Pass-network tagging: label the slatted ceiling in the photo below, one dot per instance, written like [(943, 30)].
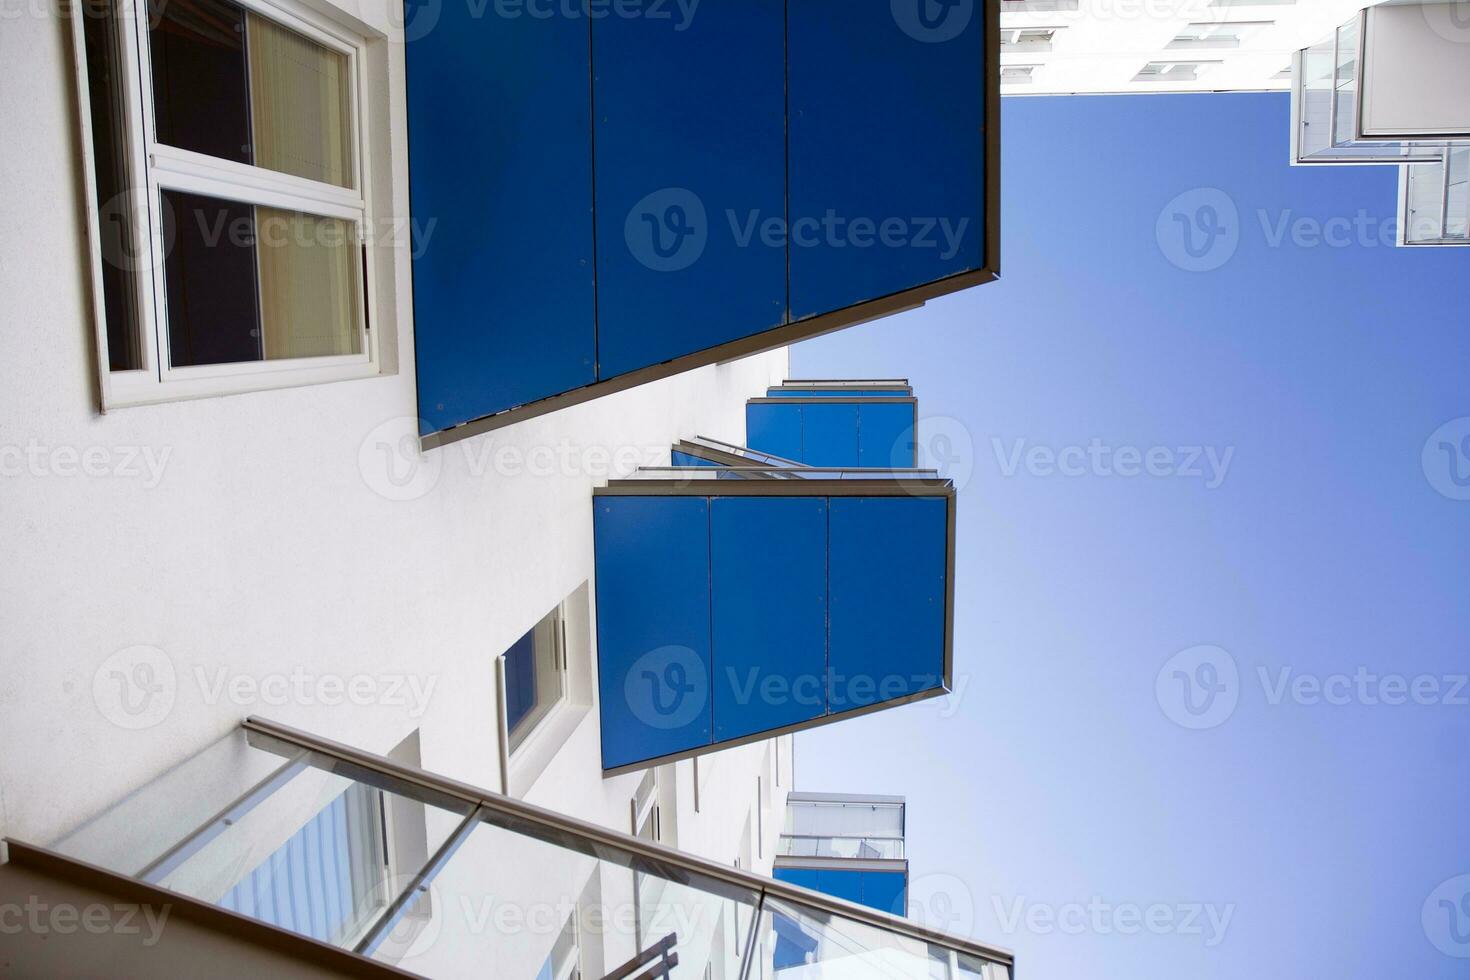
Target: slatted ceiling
[(322, 881)]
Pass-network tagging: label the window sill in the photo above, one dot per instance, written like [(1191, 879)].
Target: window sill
[(123, 391), (534, 755)]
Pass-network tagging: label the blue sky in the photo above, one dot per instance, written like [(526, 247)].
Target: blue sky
[(1297, 825)]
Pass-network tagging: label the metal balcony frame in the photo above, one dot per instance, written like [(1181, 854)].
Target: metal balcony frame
[(480, 806), (556, 825)]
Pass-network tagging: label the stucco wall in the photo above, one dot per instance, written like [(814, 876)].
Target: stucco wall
[(250, 541)]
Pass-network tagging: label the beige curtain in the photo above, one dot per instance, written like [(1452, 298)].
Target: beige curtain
[(308, 284), (300, 105)]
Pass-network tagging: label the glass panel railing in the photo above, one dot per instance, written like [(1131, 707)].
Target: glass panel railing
[(447, 881), (306, 842), (516, 901), (800, 942), (695, 473), (1457, 194), (1345, 84), (857, 848)]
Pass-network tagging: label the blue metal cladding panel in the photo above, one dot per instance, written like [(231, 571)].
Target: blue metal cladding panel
[(768, 575), (887, 594), (690, 149), (886, 434), (829, 433), (500, 184), (801, 877), (887, 120), (886, 891), (653, 625), (771, 427)]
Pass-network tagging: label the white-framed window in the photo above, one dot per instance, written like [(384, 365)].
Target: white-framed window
[(1217, 34), (1172, 71), (544, 691), (1028, 38), (1017, 74), (533, 678), (228, 197)]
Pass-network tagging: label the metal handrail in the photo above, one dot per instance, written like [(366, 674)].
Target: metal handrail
[(550, 819)]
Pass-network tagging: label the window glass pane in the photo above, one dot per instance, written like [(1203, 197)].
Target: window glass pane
[(520, 680), (533, 681), (310, 271), (806, 943), (109, 153), (209, 280), (200, 99), (1457, 201), (300, 108)]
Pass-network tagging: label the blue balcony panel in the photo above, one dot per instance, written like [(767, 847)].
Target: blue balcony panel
[(774, 427), (829, 433), (653, 625), (601, 201), (888, 593), (769, 581), (691, 146), (885, 891), (869, 431), (500, 187), (887, 124), (731, 610), (886, 434)]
